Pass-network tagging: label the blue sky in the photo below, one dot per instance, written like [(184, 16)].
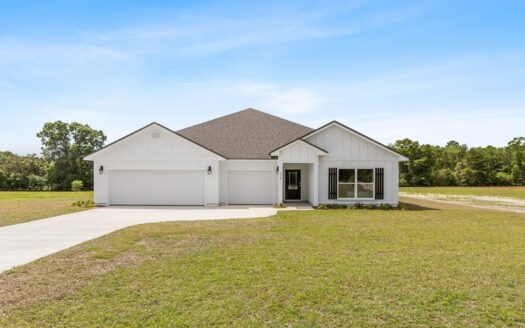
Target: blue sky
[(428, 70)]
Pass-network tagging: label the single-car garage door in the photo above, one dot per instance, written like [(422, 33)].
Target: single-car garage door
[(251, 187), (156, 187)]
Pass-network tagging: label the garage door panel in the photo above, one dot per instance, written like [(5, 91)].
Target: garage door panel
[(156, 187), (251, 187)]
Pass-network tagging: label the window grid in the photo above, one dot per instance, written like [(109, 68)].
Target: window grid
[(356, 185)]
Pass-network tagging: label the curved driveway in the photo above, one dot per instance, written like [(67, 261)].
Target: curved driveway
[(26, 242)]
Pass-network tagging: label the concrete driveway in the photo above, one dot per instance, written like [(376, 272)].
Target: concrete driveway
[(26, 242)]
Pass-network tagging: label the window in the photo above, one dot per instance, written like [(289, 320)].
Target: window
[(365, 183), (355, 183), (292, 180), (346, 183)]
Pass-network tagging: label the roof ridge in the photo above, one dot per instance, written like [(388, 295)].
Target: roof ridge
[(240, 111), (280, 118), (217, 118)]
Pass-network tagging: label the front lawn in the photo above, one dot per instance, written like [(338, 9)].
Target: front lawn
[(23, 206), (447, 266), (511, 192)]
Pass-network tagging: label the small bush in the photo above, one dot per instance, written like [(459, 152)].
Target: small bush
[(77, 185), (356, 206), (280, 205), (83, 203)]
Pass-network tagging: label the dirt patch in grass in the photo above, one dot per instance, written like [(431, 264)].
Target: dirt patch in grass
[(517, 192), (481, 202)]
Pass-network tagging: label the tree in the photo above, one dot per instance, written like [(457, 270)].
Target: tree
[(18, 172), (517, 151), (64, 146), (418, 170)]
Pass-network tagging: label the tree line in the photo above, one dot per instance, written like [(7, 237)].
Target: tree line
[(61, 162), (456, 164), (65, 144)]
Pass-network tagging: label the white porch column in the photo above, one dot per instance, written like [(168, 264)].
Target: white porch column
[(280, 182), (315, 184)]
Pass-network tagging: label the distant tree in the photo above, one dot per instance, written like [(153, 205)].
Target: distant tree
[(465, 175), (517, 153), (64, 146), (444, 177), (16, 170), (417, 171)]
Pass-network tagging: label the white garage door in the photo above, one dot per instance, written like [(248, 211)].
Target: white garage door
[(156, 187), (251, 187)]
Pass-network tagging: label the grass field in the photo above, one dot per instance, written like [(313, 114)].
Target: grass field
[(23, 206), (441, 265), (511, 192)]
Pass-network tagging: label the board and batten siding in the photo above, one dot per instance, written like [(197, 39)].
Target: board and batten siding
[(155, 148), (298, 152), (348, 150)]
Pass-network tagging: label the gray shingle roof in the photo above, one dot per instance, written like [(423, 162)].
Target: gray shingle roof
[(248, 134)]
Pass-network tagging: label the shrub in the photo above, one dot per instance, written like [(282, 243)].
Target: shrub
[(83, 203), (76, 185), (356, 206), (503, 179)]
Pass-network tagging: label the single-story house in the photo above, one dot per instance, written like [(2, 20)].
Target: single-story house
[(248, 157)]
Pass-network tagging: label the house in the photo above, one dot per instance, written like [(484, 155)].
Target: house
[(248, 157)]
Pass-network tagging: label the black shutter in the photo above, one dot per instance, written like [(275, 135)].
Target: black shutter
[(380, 183), (332, 183)]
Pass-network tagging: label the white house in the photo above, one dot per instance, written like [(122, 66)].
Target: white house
[(248, 157)]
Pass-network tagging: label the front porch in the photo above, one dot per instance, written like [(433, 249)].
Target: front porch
[(297, 183), (298, 167)]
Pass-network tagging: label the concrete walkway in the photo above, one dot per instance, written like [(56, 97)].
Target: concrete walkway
[(26, 242)]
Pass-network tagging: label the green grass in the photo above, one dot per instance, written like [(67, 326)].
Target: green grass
[(448, 266), (511, 192), (23, 206)]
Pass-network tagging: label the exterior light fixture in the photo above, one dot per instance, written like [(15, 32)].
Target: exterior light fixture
[(101, 169), (277, 169), (209, 169)]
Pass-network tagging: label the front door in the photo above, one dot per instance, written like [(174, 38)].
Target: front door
[(292, 185)]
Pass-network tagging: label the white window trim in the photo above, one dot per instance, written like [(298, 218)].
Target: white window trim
[(355, 183)]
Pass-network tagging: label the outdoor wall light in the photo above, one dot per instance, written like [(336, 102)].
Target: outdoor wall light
[(101, 169), (209, 170), (277, 170)]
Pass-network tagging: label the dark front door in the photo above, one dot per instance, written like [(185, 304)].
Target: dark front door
[(292, 185)]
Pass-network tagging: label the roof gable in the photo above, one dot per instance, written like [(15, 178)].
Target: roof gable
[(248, 134), (317, 149), (357, 135), (144, 138)]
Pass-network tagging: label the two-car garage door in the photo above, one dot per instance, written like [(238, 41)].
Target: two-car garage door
[(156, 187)]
